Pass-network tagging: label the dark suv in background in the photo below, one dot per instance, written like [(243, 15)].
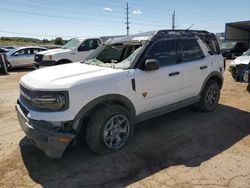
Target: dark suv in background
[(233, 49)]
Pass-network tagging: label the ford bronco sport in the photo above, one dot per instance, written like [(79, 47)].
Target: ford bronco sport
[(124, 82)]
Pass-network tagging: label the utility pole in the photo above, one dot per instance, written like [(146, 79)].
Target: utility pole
[(173, 20), (127, 19)]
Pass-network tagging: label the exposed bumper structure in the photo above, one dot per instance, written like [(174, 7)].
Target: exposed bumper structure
[(51, 142), (238, 71)]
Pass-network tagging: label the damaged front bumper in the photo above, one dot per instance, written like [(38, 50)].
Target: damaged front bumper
[(238, 71), (51, 141)]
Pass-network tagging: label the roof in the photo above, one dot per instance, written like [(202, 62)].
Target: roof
[(146, 36), (136, 38), (244, 25)]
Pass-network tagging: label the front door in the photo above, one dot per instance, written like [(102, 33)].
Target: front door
[(22, 58), (160, 87), (85, 49)]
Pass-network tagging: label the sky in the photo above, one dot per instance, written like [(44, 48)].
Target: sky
[(47, 19)]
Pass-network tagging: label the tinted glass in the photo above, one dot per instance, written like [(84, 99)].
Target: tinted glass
[(89, 44), (111, 53), (164, 52), (36, 50), (190, 50), (23, 52)]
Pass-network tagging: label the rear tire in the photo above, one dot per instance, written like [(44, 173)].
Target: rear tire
[(210, 96), (109, 129)]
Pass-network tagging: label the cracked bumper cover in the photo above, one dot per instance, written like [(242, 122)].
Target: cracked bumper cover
[(46, 140)]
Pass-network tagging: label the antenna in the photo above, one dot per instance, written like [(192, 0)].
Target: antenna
[(189, 27)]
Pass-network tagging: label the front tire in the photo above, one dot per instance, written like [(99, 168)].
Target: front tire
[(109, 129), (9, 66), (210, 96)]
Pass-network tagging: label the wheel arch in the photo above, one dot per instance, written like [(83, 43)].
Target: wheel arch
[(63, 60), (216, 76), (102, 101)]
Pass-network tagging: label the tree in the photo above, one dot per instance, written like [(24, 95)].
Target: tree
[(59, 41), (45, 41)]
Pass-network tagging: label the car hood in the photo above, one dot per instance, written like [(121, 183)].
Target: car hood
[(54, 51), (70, 76), (242, 60)]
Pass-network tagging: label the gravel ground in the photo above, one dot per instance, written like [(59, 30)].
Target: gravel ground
[(182, 149)]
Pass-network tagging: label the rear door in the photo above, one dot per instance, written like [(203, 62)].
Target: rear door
[(195, 67)]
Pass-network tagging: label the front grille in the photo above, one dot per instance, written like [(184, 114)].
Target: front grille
[(38, 58), (26, 96), (25, 111)]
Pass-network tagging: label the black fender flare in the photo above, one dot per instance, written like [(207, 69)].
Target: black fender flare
[(107, 99), (217, 76)]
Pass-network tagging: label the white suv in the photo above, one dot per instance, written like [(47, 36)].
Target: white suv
[(129, 80), (75, 50)]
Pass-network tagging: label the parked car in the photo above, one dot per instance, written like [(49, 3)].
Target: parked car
[(124, 82), (233, 49), (239, 66), (9, 47), (3, 50), (22, 56), (246, 76), (75, 50)]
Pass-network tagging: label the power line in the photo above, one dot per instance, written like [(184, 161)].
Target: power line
[(32, 34)]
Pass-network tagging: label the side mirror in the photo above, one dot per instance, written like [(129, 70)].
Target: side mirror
[(152, 64)]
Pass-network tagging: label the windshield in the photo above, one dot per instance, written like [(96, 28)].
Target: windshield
[(247, 53), (11, 52), (228, 45), (72, 44), (117, 56)]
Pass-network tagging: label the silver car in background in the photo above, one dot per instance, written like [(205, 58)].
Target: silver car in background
[(22, 56)]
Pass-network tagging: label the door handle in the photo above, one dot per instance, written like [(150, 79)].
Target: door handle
[(174, 74), (203, 67), (72, 53)]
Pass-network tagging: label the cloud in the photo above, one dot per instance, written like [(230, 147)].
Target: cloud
[(137, 11), (108, 9)]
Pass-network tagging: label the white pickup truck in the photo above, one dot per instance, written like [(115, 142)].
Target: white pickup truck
[(124, 82), (75, 50)]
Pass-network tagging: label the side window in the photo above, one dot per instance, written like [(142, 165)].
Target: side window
[(111, 53), (36, 50), (89, 44), (164, 51), (94, 44), (85, 46), (190, 50), (19, 52), (22, 52)]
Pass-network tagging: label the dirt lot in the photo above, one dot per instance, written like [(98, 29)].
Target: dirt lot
[(181, 149)]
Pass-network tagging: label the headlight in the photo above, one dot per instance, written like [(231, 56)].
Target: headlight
[(44, 100), (50, 102), (47, 58)]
